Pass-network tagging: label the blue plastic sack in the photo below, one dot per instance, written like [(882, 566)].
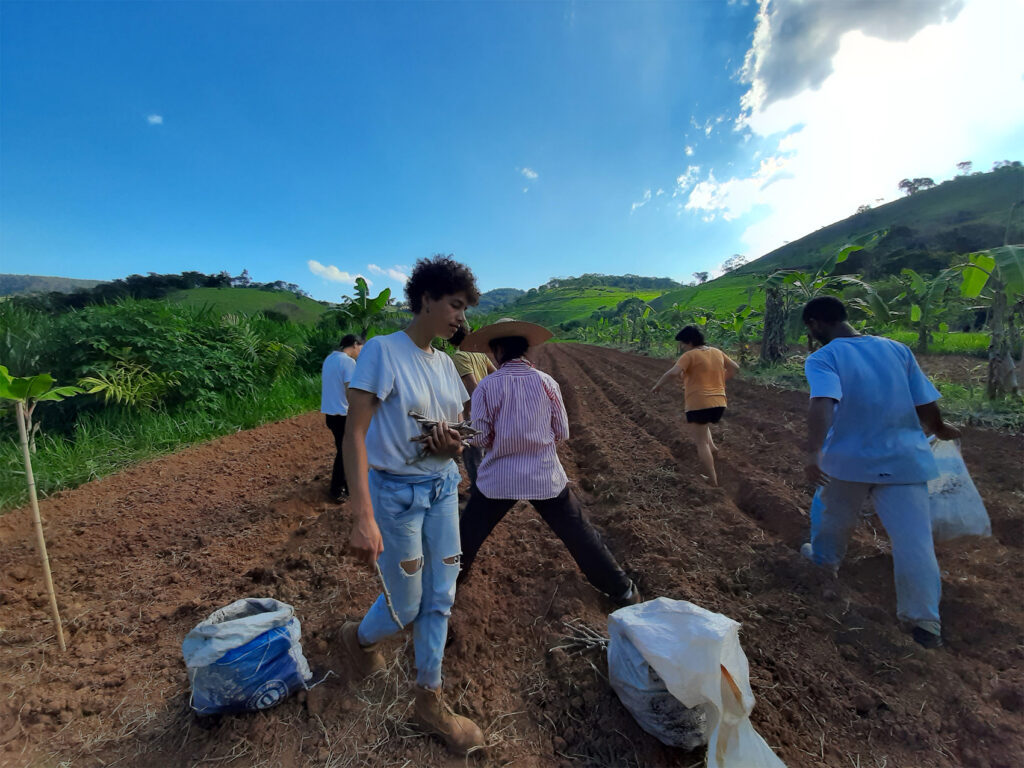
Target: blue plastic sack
[(245, 657)]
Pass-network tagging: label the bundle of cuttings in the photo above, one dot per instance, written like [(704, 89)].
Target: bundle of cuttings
[(464, 428)]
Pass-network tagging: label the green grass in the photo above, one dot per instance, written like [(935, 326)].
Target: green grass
[(249, 301), (549, 308), (109, 441), (722, 295), (951, 343)]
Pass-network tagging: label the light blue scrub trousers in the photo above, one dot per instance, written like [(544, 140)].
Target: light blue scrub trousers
[(903, 510), (418, 517)]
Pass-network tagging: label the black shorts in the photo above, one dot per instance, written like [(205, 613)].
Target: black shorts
[(705, 415)]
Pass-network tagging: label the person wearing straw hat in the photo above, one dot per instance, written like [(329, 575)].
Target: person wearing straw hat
[(520, 415), (472, 367)]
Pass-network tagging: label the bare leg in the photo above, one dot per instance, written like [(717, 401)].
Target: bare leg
[(714, 448), (702, 437)]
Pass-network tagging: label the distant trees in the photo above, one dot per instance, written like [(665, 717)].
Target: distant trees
[(149, 286), (964, 168), (913, 186), (701, 277), (735, 261), (864, 208), (999, 165)]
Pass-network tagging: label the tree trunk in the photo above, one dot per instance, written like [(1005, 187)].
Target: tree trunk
[(773, 341), (37, 523), (922, 337), (1002, 371)]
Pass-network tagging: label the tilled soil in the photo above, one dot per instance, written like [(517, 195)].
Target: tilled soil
[(141, 557)]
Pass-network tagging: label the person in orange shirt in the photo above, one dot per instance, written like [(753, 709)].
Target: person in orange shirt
[(703, 371)]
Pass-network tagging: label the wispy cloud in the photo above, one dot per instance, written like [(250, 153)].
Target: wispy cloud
[(689, 150), (332, 273), (397, 273), (641, 203), (155, 119), (529, 173)]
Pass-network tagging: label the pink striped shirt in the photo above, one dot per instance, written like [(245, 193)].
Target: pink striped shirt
[(519, 410)]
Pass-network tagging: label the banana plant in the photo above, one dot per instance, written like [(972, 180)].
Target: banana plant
[(26, 393), (998, 275), (926, 296), (798, 287), (361, 310)]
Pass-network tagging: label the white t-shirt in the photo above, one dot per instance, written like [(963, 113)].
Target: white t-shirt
[(405, 378), (876, 436), (336, 373)]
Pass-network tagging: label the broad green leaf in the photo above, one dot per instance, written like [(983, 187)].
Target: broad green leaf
[(976, 273), (915, 313), (845, 251), (1009, 260), (38, 385), (944, 327), (917, 284), (878, 307)]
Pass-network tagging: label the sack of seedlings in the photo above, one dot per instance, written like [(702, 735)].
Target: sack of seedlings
[(245, 657), (671, 649), (956, 506)]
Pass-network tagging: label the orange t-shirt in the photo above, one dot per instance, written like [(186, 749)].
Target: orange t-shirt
[(703, 378)]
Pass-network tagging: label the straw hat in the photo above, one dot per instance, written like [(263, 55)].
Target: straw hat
[(478, 340)]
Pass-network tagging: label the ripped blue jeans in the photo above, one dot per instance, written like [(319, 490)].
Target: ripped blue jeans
[(418, 517)]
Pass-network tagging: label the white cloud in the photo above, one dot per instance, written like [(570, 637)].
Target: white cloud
[(642, 202), (796, 41), (155, 119), (397, 273), (686, 180), (529, 173), (735, 197), (888, 104), (688, 151), (334, 274)]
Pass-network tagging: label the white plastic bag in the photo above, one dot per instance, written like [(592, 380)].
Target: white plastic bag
[(697, 655), (955, 504)]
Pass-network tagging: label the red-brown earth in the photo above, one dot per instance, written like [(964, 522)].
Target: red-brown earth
[(139, 558)]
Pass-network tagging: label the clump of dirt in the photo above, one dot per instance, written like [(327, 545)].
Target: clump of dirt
[(141, 557)]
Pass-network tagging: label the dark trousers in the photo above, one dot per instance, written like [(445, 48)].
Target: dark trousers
[(565, 517), (338, 483), (471, 458)]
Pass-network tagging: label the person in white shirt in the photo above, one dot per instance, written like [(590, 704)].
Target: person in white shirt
[(335, 376), (404, 502), (869, 402)]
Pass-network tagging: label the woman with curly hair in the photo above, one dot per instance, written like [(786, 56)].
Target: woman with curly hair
[(404, 502)]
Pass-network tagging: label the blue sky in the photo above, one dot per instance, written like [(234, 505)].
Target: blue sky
[(310, 142)]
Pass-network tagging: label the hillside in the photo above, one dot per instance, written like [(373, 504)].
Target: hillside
[(298, 309), (964, 214), (23, 284), (563, 305), (496, 299)]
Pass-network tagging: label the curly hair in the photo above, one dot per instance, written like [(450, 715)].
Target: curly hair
[(440, 276)]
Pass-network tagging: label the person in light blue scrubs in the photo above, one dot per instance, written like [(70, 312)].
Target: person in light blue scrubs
[(869, 402)]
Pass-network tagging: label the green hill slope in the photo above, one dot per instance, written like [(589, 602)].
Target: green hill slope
[(562, 305), (298, 309), (925, 230), (22, 284)]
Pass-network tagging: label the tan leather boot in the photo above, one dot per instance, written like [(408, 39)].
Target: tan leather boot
[(460, 734), (365, 659)]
